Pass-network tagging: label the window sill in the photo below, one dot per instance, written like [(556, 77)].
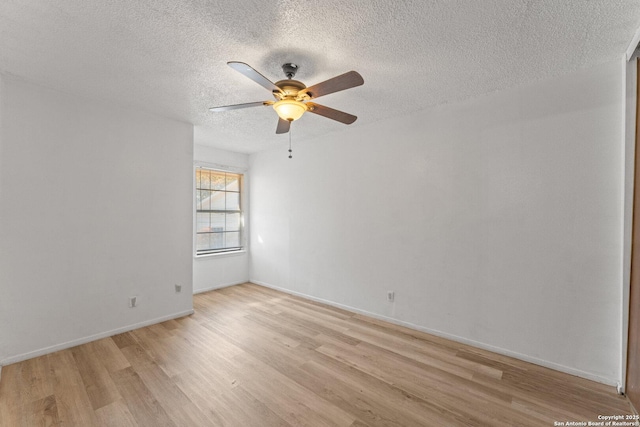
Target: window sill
[(221, 254)]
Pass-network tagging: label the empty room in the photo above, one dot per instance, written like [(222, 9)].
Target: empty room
[(296, 213)]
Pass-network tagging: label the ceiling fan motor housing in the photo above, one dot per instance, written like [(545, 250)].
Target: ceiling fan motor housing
[(290, 88)]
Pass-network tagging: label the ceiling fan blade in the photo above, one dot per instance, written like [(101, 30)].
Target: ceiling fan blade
[(336, 84), (283, 126), (248, 71), (330, 113), (238, 106)]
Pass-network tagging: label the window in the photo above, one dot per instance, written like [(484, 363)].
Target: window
[(218, 211)]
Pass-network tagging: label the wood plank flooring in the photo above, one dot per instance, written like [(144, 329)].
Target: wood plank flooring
[(251, 356)]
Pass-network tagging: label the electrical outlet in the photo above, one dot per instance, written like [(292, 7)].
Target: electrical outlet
[(178, 288), (391, 296), (133, 301)]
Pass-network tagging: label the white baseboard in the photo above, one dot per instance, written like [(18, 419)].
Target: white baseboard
[(481, 345), (214, 287), (84, 340)]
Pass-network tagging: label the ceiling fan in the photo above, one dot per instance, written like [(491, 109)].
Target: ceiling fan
[(293, 98)]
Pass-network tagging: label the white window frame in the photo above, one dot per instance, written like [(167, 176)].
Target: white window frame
[(242, 200)]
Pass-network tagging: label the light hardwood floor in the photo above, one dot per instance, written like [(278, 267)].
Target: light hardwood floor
[(251, 356)]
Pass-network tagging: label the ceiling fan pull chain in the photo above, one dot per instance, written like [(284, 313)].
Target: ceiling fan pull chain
[(290, 145)]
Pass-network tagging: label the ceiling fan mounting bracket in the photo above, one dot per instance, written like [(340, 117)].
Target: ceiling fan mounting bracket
[(290, 70)]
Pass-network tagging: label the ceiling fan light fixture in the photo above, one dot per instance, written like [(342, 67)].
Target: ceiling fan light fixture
[(290, 109)]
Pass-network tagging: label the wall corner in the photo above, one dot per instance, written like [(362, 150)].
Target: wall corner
[(629, 102)]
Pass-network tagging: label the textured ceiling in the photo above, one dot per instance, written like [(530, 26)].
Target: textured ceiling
[(169, 56)]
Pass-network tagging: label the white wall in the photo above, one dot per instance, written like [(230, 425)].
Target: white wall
[(497, 221), (95, 206), (220, 270)]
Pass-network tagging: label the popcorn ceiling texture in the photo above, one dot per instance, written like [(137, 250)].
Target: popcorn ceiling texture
[(169, 56)]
